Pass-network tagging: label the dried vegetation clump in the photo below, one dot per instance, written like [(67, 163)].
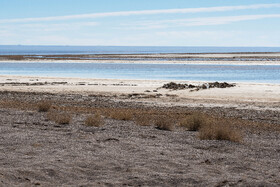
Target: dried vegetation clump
[(44, 106), (220, 130), (209, 127), (193, 122), (143, 120), (60, 118), (121, 114), (95, 120), (164, 123)]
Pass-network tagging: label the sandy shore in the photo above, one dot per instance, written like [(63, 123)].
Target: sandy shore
[(243, 95)]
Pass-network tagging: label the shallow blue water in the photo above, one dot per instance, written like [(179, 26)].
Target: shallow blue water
[(229, 73), (44, 50)]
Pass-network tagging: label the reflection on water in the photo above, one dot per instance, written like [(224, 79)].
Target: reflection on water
[(230, 73)]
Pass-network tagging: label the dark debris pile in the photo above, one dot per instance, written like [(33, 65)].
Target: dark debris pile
[(178, 86)]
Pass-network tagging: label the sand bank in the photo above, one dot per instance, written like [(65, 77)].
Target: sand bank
[(180, 58), (243, 95)]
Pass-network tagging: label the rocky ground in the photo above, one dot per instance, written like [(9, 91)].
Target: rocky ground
[(38, 151)]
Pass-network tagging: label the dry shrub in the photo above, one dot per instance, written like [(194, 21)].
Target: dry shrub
[(44, 106), (60, 118), (63, 119), (18, 104), (219, 130), (95, 121), (143, 120), (164, 123), (121, 115), (193, 122)]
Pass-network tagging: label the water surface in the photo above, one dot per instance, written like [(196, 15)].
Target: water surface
[(48, 50), (229, 73)]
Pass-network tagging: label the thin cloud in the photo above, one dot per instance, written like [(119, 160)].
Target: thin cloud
[(197, 21), (223, 20), (43, 27), (143, 12)]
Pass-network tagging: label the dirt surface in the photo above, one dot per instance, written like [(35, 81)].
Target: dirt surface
[(37, 151)]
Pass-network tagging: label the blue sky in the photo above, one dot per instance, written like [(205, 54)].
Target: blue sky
[(140, 22)]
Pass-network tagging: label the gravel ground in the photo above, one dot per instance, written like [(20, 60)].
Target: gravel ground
[(37, 151)]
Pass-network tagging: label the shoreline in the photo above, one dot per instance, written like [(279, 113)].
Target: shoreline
[(245, 63), (258, 96), (2, 77), (246, 94)]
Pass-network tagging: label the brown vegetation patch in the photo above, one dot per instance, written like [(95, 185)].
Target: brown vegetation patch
[(96, 120), (44, 106), (164, 123), (143, 120), (18, 104), (14, 100), (219, 130), (121, 114), (60, 118), (193, 122)]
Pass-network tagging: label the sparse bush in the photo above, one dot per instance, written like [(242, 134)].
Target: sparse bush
[(44, 106), (95, 120), (164, 123), (61, 118), (219, 131), (121, 115), (193, 122), (143, 120)]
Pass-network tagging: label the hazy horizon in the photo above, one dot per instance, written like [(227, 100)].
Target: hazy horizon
[(137, 46)]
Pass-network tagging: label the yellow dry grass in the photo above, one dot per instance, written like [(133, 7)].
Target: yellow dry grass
[(193, 122), (143, 120), (95, 120), (60, 118), (121, 114), (164, 123), (219, 130), (132, 113)]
